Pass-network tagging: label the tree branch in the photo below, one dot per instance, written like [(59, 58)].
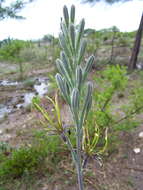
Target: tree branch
[(129, 115)]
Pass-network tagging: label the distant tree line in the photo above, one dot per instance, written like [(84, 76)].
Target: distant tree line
[(135, 51)]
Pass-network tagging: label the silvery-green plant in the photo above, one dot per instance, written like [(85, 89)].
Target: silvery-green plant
[(71, 81)]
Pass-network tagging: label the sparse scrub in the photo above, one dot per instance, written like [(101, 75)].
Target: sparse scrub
[(10, 51), (46, 53), (29, 160), (34, 54), (112, 81)]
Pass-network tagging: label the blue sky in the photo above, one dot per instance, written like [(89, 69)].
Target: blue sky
[(43, 17)]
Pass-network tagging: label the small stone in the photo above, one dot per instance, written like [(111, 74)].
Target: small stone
[(133, 160), (137, 150), (1, 132), (24, 126), (141, 134)]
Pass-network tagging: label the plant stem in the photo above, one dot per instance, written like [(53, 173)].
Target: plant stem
[(127, 116), (80, 177), (79, 165), (70, 146)]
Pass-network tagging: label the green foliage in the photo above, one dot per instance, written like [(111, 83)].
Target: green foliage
[(135, 105), (124, 41), (52, 144), (4, 147), (127, 125), (53, 121), (113, 80), (48, 38), (102, 42), (10, 51), (137, 99), (34, 54), (95, 138), (116, 75), (109, 83), (4, 150), (43, 54), (21, 161), (10, 10), (29, 160), (93, 45)]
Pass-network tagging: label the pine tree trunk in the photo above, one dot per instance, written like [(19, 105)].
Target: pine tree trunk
[(136, 48)]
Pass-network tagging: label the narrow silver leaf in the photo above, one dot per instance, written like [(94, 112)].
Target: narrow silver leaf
[(66, 15), (72, 15)]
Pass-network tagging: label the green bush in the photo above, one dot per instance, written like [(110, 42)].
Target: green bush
[(21, 161), (111, 80), (29, 160), (127, 125), (10, 51), (109, 83)]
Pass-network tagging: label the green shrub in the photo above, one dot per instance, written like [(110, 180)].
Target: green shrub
[(127, 125), (29, 160), (4, 147), (113, 81), (10, 51), (21, 161)]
